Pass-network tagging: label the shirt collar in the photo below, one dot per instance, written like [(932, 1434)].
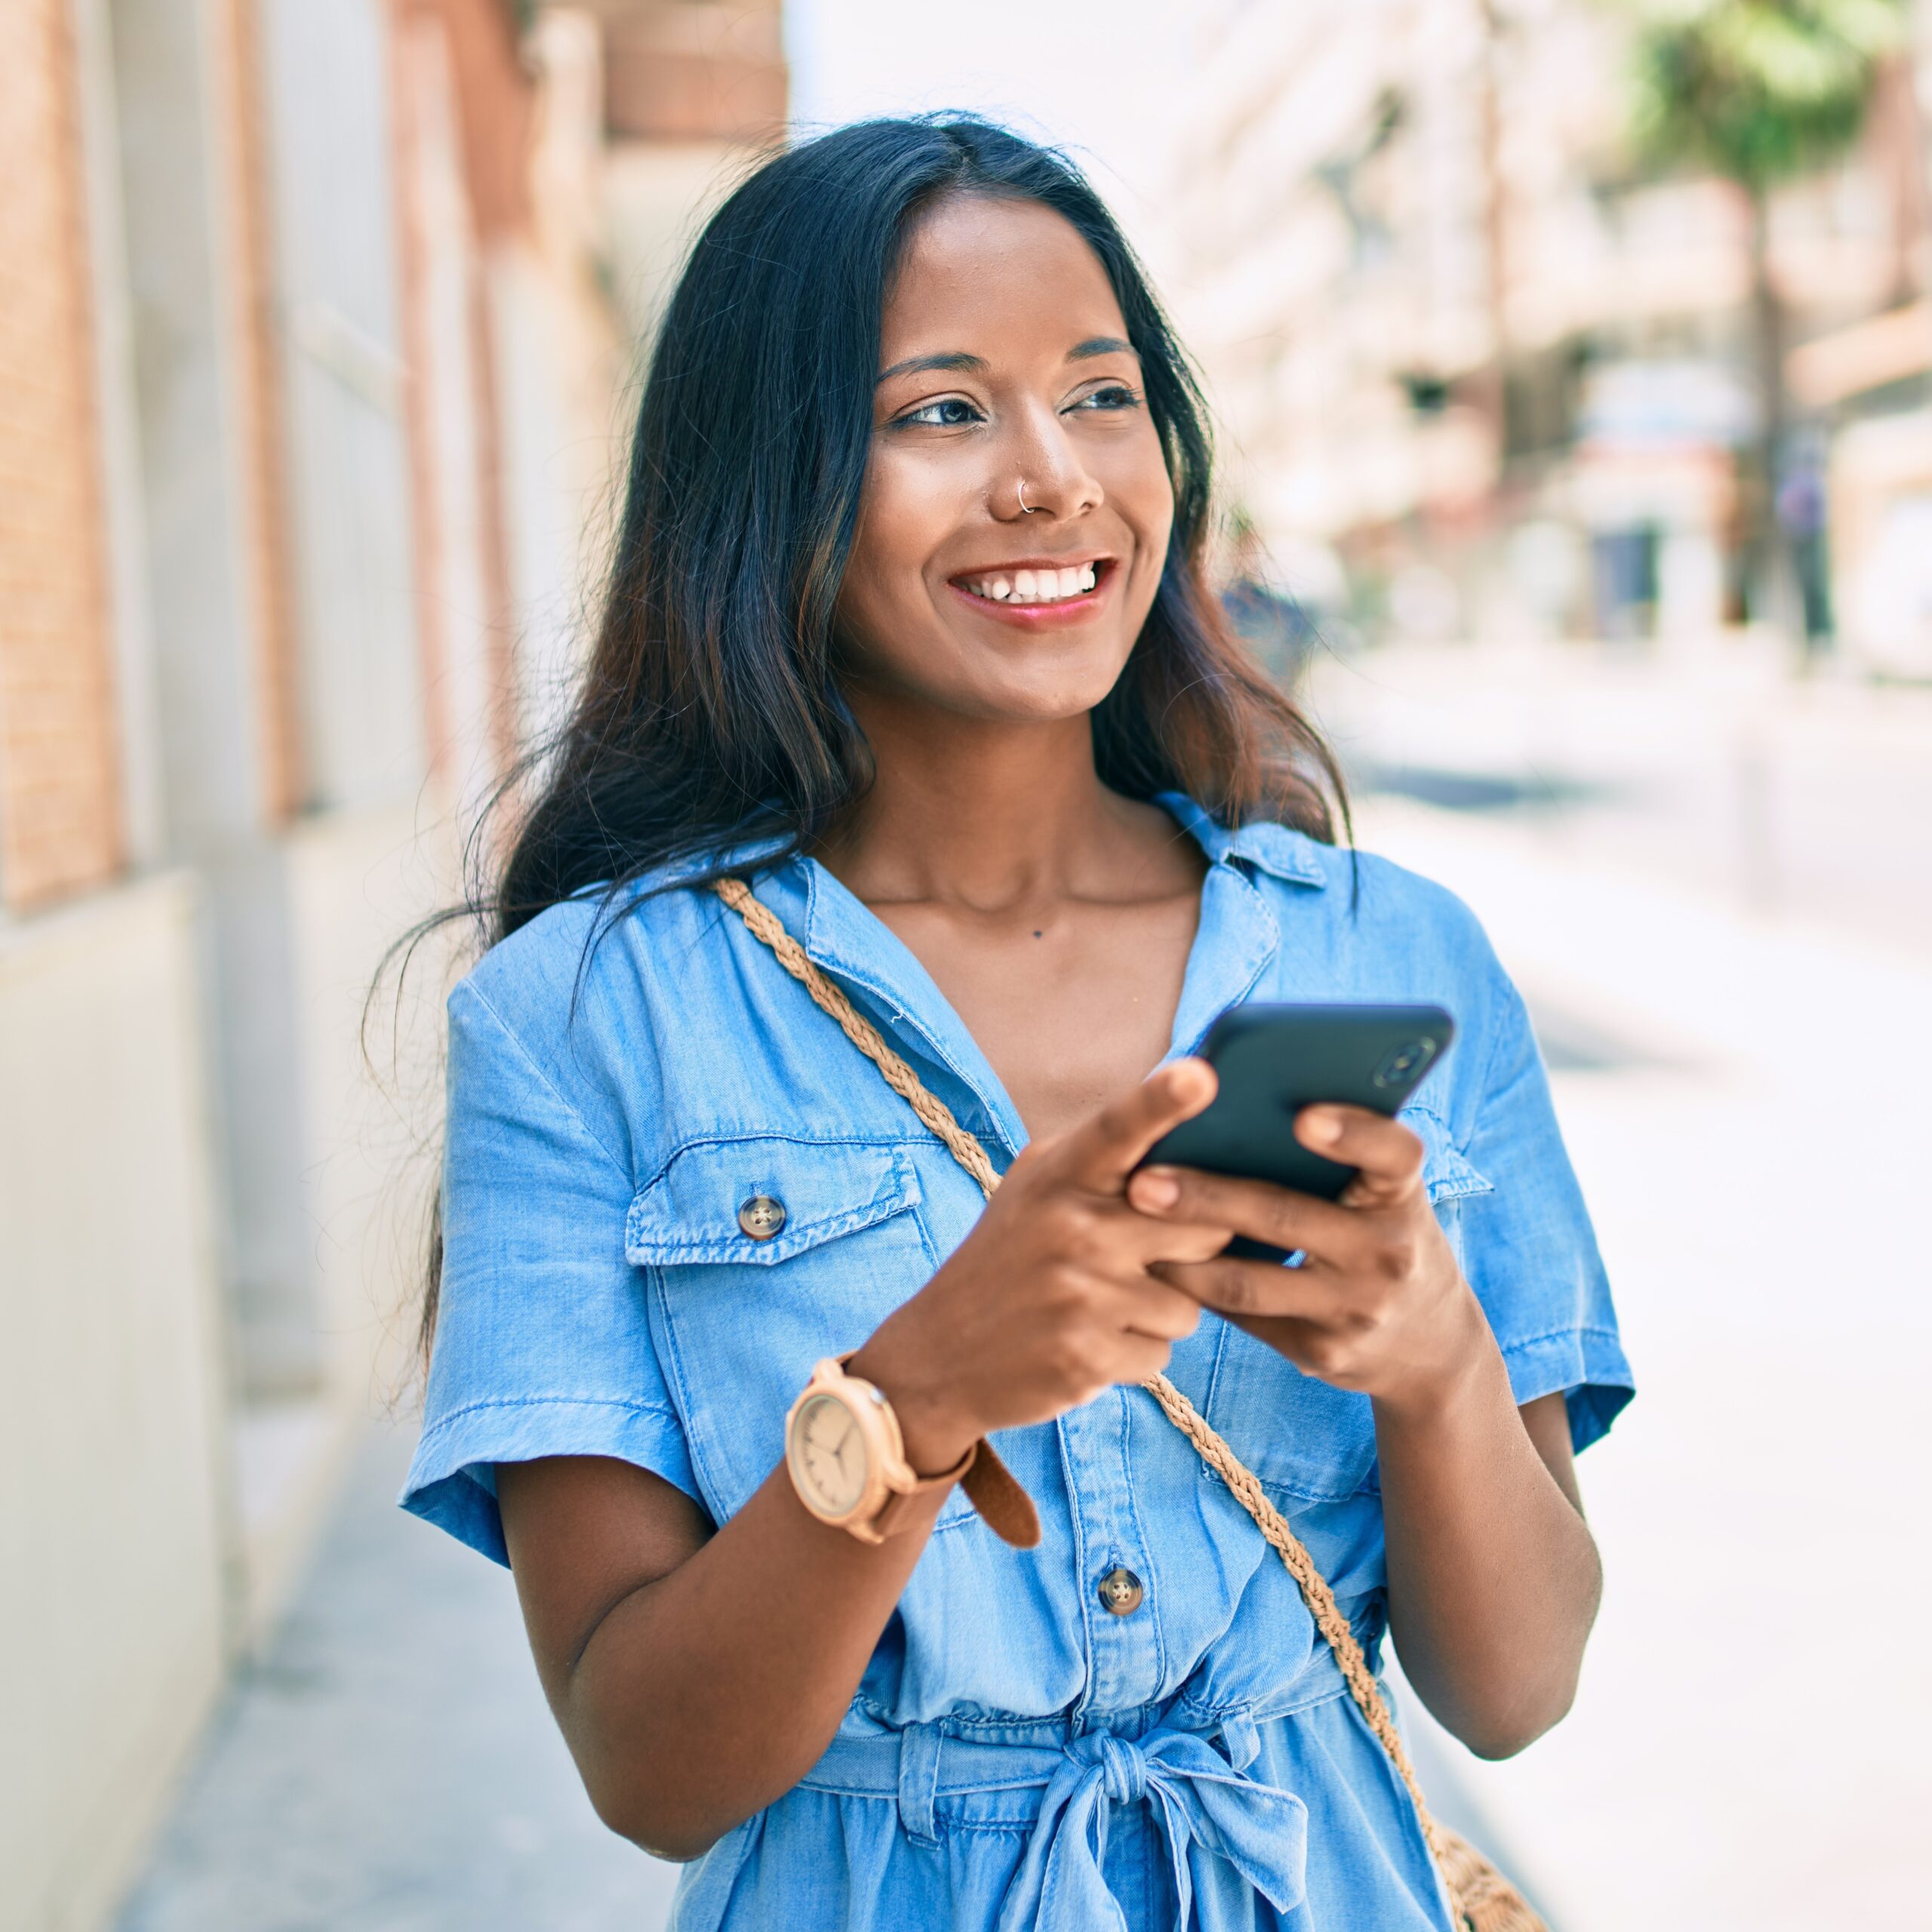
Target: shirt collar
[(1238, 936), (850, 941), (746, 856), (1273, 849)]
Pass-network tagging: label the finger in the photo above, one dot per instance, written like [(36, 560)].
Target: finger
[(1137, 1357), (1173, 1236), (1152, 1308), (1257, 1208), (1388, 1155), (1303, 1343), (1102, 1151), (1237, 1288)]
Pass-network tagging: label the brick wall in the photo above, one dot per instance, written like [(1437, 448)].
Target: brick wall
[(60, 809), (469, 48), (493, 101), (243, 160), (682, 70)]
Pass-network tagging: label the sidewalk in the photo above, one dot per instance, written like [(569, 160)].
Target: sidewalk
[(1710, 767), (1743, 1099), (391, 1766)]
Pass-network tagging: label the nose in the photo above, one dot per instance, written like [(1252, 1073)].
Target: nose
[(1044, 473)]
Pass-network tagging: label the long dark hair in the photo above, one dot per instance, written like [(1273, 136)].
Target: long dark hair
[(711, 713)]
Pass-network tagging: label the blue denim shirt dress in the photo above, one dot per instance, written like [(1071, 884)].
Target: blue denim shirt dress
[(1015, 1756)]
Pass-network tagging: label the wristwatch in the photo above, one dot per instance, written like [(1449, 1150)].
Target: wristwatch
[(847, 1459)]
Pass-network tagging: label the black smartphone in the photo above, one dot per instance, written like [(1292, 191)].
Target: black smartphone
[(1273, 1060)]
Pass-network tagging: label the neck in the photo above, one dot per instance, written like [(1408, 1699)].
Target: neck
[(988, 814)]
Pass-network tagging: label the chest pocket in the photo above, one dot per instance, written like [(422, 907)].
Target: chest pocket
[(762, 1255), (1314, 1441)]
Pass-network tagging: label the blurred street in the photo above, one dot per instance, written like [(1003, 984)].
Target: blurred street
[(1711, 769), (1736, 1052), (391, 1764)]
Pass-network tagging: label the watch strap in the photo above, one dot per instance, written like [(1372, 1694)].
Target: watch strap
[(890, 1515), (1004, 1507)]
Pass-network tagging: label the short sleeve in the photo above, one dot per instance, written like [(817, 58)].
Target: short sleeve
[(1529, 1250), (542, 1344)]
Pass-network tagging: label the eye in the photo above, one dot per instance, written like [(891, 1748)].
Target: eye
[(1109, 396), (946, 412)]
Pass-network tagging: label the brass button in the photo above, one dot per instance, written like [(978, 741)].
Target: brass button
[(1120, 1592), (762, 1217)]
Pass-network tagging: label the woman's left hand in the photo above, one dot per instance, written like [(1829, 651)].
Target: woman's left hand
[(1378, 1304)]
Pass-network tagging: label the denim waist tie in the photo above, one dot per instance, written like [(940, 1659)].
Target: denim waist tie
[(1197, 1795)]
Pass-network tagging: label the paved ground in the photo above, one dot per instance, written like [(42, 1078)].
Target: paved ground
[(391, 1768), (1746, 1754), (1805, 801)]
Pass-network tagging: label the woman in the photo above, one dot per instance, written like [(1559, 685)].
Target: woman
[(908, 630)]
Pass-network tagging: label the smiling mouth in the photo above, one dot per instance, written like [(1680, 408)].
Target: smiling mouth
[(1036, 586)]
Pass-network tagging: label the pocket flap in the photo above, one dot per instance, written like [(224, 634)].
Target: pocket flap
[(1445, 1173), (826, 1188)]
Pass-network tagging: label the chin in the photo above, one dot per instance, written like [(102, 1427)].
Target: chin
[(1048, 689), (1042, 702), (1038, 680)]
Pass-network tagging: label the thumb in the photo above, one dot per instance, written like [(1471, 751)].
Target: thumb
[(1104, 1151)]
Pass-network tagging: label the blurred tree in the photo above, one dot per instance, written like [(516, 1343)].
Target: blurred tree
[(1759, 91)]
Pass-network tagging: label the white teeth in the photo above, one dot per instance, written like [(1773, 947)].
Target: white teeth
[(1041, 586)]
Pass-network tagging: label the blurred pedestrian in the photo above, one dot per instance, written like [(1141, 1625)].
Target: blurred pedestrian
[(1264, 615), (914, 735)]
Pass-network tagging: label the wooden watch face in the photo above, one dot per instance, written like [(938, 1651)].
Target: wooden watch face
[(829, 1456)]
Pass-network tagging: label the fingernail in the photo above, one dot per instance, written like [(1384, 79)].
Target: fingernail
[(1326, 1127), (1153, 1188)]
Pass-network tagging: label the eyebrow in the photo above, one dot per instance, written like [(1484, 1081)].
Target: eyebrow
[(958, 360)]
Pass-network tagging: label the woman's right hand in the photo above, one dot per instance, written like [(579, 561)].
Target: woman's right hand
[(1049, 1299)]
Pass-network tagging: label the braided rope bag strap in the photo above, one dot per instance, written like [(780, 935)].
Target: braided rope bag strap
[(1482, 1899)]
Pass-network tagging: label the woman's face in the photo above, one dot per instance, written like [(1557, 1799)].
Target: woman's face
[(1005, 364)]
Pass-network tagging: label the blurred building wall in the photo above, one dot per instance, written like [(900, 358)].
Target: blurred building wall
[(1872, 382), (694, 90), (311, 398), (59, 829), (1468, 345)]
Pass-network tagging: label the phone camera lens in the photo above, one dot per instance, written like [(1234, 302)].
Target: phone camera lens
[(1403, 1061)]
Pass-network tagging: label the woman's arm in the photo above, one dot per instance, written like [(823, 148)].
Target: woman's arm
[(1492, 1574), (697, 1676)]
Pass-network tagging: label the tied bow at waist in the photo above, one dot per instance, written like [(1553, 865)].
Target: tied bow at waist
[(1197, 1797)]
